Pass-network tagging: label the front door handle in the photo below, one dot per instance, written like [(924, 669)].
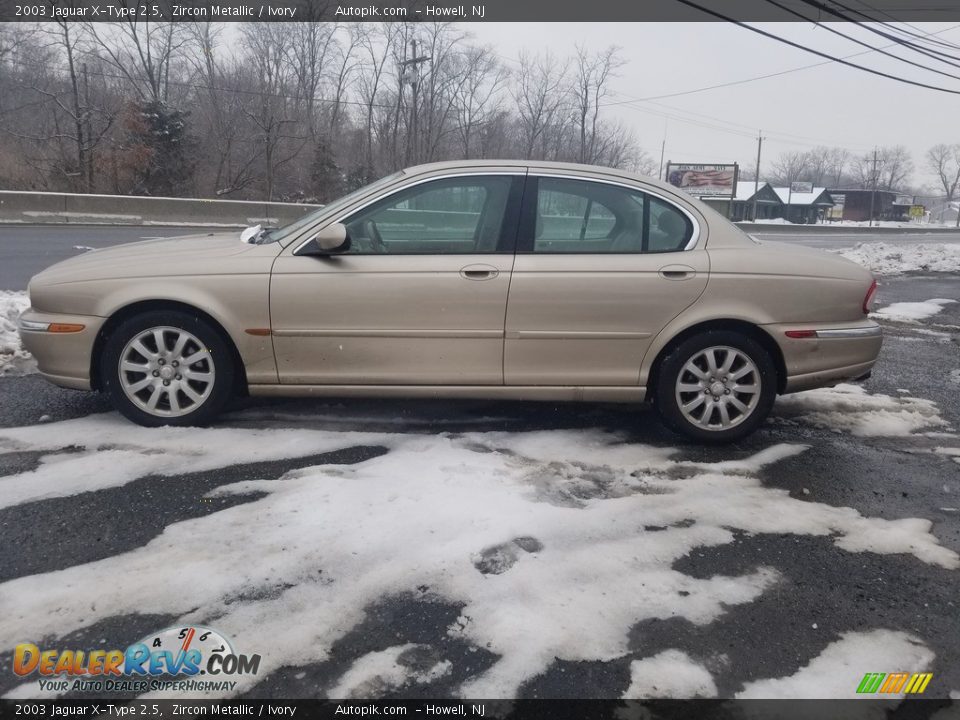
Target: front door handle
[(479, 271), (677, 272)]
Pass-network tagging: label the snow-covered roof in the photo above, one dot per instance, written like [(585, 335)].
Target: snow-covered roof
[(798, 198), (745, 189)]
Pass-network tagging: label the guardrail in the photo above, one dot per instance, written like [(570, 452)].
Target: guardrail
[(43, 208)]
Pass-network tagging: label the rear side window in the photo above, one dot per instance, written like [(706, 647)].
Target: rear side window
[(580, 216)]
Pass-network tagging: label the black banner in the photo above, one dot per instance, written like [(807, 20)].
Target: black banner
[(501, 709), (478, 10)]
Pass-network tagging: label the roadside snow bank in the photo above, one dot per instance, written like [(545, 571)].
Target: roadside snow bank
[(889, 259), (852, 409), (14, 360), (911, 312)]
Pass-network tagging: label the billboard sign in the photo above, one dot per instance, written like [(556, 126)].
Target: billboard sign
[(801, 187), (836, 212), (917, 211), (713, 180)]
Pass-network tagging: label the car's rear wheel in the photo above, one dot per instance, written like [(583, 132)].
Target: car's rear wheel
[(167, 368), (718, 386)]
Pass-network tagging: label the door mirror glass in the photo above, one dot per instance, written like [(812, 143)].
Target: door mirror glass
[(333, 239)]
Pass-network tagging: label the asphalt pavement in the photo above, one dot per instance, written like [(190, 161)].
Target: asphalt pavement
[(825, 591)]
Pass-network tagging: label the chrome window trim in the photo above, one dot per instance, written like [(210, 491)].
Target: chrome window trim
[(694, 237), (875, 331), (516, 172)]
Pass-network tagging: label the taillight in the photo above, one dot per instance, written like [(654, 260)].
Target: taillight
[(868, 298)]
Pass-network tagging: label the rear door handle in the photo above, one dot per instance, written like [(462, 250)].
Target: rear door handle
[(677, 272), (479, 272)]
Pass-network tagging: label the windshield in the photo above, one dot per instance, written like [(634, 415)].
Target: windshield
[(296, 226)]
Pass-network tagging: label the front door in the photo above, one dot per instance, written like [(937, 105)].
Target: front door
[(419, 298), (600, 270)]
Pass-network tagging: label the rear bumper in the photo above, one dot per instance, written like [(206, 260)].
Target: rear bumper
[(63, 358), (833, 353)]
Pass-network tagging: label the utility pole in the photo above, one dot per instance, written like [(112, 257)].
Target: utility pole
[(756, 181), (413, 65), (873, 190), (663, 147)]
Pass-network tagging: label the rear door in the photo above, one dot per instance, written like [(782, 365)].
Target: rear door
[(601, 268)]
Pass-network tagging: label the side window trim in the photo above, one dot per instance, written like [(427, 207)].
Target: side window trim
[(518, 179), (528, 213)]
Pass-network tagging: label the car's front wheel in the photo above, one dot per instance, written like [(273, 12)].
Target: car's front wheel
[(718, 386), (167, 368)]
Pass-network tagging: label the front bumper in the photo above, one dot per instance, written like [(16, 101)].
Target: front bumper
[(63, 358), (833, 353)]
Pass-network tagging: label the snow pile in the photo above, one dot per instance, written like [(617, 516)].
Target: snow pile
[(888, 259), (838, 670), (378, 673), (114, 452), (556, 543), (670, 674), (911, 312), (850, 408), (14, 360)]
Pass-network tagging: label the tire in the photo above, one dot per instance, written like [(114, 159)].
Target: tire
[(167, 390), (745, 392)]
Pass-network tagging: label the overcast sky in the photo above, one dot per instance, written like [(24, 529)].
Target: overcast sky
[(830, 104)]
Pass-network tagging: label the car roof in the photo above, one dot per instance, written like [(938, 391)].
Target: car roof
[(597, 171)]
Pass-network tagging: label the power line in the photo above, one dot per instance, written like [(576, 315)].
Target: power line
[(834, 58), (861, 42), (764, 77), (900, 41)]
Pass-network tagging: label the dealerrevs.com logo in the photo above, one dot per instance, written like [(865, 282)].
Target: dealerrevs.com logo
[(177, 658)]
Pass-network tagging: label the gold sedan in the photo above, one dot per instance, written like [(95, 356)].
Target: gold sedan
[(497, 279)]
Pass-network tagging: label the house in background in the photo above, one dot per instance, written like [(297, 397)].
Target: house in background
[(804, 208), (740, 207), (856, 204)]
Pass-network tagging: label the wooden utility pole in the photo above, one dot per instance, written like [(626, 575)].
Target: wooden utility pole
[(413, 65), (873, 190), (756, 181)]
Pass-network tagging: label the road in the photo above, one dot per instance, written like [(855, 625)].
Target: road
[(26, 250), (426, 548)]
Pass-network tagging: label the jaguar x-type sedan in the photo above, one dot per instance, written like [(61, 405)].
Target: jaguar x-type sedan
[(496, 279)]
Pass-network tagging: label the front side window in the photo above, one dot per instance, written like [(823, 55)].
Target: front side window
[(444, 216), (580, 216)]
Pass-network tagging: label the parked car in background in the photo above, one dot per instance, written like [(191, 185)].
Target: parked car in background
[(484, 279)]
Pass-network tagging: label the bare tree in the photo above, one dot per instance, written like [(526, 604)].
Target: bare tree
[(944, 161), (276, 123), (590, 86), (142, 51), (790, 167), (541, 102), (478, 96)]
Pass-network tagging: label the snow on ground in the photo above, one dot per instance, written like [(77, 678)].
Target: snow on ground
[(109, 451), (557, 543), (838, 670), (378, 673), (670, 674), (14, 360), (911, 312), (850, 408), (889, 259)]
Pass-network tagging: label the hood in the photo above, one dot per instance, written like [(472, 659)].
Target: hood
[(187, 255)]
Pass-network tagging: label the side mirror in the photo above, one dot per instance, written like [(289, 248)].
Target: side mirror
[(331, 240)]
